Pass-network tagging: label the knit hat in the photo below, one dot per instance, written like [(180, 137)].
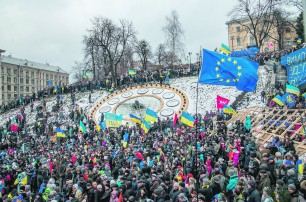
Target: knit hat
[(131, 198), (216, 178), (182, 184), (280, 182), (292, 187), (157, 191), (252, 183)]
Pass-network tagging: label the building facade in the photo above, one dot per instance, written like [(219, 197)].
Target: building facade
[(20, 78), (239, 37)]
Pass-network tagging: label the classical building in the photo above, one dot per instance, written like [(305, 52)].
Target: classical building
[(20, 78), (239, 37)]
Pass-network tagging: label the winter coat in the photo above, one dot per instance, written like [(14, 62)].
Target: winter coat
[(154, 185), (98, 196), (232, 182), (297, 197), (266, 199), (247, 123), (254, 196), (173, 195), (264, 182)]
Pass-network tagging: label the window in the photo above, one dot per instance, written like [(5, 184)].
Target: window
[(32, 74), (21, 95), (21, 88), (8, 87), (8, 70), (15, 96), (8, 96), (33, 89), (238, 29), (21, 80), (27, 89), (51, 77), (47, 76), (15, 71), (238, 41), (15, 80), (21, 72), (288, 42), (27, 73), (15, 88), (27, 81), (252, 40), (8, 79), (32, 81)]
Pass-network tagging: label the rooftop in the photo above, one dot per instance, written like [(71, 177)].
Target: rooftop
[(36, 65)]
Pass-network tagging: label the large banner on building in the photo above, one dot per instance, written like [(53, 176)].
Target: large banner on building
[(295, 64)]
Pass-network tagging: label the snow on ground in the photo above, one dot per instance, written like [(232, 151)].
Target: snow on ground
[(206, 97)]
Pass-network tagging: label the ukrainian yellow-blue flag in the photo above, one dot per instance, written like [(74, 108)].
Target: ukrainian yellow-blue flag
[(187, 119), (279, 100), (60, 133), (135, 119), (219, 69), (145, 126), (229, 110), (151, 115)]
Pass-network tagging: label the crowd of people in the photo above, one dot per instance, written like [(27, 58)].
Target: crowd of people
[(123, 81), (209, 162)]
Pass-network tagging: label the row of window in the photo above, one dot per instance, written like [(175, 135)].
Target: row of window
[(27, 73), (252, 41), (22, 88), (9, 96)]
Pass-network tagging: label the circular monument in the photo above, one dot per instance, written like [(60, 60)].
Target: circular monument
[(163, 99)]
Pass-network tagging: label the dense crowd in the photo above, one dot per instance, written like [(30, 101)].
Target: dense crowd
[(210, 162)]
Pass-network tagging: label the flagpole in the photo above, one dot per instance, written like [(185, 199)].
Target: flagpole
[(196, 139)]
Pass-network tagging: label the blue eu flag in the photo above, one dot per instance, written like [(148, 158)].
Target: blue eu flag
[(219, 69)]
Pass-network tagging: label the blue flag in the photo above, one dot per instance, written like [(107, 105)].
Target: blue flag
[(219, 69), (102, 125), (126, 137)]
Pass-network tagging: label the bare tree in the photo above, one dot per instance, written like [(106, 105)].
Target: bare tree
[(174, 33), (282, 23), (161, 54), (112, 41), (144, 52), (79, 70), (256, 16)]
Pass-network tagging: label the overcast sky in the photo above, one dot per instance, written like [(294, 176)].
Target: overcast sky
[(51, 30)]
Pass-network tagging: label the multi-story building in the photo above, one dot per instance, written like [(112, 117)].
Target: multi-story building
[(239, 37), (21, 77)]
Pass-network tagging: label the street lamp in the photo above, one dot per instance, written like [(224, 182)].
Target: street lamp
[(189, 53), (1, 51)]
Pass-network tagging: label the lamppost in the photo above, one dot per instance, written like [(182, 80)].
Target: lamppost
[(1, 51), (189, 53)]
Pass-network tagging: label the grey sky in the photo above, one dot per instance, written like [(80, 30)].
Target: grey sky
[(44, 30)]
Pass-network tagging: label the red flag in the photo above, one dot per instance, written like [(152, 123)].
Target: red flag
[(120, 199), (175, 118), (221, 101)]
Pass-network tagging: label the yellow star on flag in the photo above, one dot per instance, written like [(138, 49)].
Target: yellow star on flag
[(218, 63), (227, 81), (217, 68), (235, 62), (234, 80), (221, 80), (237, 79), (229, 59), (218, 75), (239, 74), (222, 60), (239, 67)]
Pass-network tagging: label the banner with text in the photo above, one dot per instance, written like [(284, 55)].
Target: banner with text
[(295, 64), (113, 120)]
